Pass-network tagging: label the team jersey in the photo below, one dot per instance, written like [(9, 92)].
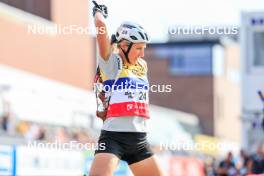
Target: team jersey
[(129, 104)]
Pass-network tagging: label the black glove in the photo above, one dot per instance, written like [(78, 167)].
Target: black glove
[(100, 8)]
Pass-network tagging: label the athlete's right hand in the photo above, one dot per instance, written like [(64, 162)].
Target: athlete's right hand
[(102, 114), (100, 8)]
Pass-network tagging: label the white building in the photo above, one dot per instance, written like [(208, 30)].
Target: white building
[(252, 57)]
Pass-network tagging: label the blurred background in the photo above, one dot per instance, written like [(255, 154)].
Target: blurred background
[(46, 84)]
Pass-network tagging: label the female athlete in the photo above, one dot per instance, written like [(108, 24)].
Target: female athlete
[(124, 129)]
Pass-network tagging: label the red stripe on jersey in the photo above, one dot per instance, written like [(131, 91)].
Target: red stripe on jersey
[(128, 109)]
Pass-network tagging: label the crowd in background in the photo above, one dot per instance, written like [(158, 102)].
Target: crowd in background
[(46, 132), (241, 165), (231, 165)]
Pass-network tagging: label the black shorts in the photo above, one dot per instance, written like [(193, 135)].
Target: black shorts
[(131, 147)]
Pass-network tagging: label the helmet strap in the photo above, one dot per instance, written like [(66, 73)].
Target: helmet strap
[(127, 52)]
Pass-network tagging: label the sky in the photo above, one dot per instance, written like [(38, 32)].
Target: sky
[(157, 16)]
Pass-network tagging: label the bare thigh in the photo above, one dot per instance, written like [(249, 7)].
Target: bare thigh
[(149, 166), (104, 164)]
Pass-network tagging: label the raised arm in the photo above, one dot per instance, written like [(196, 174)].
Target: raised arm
[(103, 40)]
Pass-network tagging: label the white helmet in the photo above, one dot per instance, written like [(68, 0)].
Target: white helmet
[(132, 32)]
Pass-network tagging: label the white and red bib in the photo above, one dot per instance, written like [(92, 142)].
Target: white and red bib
[(130, 93)]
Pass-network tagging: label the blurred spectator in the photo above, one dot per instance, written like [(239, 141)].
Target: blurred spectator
[(33, 132), (227, 166), (61, 135), (22, 127), (242, 163), (210, 166), (42, 134), (81, 136), (5, 122), (256, 162)]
